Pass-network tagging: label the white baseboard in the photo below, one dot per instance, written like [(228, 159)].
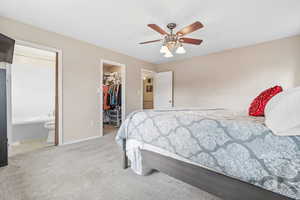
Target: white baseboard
[(81, 140)]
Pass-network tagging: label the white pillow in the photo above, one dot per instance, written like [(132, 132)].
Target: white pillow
[(276, 99), (282, 113)]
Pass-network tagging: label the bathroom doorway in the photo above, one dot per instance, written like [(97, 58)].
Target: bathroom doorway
[(34, 99)]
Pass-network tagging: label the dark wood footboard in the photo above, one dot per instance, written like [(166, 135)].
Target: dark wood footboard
[(125, 158), (212, 182)]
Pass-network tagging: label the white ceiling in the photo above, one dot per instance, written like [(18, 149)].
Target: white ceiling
[(121, 24)]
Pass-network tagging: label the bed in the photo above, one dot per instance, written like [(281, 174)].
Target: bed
[(226, 153)]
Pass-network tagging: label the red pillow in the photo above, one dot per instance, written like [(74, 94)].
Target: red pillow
[(257, 107)]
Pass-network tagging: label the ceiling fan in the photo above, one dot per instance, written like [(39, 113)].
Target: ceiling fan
[(173, 41)]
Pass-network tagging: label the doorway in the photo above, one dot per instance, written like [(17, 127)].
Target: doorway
[(147, 89), (34, 111), (112, 95), (157, 89)]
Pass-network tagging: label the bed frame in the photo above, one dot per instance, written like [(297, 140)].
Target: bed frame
[(225, 187)]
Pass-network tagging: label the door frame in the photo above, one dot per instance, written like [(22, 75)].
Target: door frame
[(59, 90), (100, 90), (142, 85)]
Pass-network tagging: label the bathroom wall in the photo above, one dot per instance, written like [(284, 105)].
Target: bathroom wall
[(33, 84), (33, 93)]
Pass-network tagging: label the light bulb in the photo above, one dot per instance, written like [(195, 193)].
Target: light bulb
[(180, 50), (168, 54), (164, 49)]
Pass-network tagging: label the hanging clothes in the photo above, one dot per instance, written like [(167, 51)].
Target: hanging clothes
[(106, 103), (119, 95), (112, 99), (112, 96)]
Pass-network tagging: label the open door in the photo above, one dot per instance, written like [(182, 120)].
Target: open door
[(163, 90)]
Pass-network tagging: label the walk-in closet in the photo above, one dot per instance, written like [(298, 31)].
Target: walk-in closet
[(112, 98)]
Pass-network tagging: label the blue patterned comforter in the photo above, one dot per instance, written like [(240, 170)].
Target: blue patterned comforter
[(232, 144)]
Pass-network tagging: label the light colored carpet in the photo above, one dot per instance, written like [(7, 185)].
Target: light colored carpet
[(28, 146), (86, 171), (107, 129)]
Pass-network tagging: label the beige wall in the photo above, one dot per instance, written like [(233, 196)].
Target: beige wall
[(297, 75), (81, 77), (233, 78)]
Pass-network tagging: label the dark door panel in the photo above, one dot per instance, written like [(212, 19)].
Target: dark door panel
[(3, 119)]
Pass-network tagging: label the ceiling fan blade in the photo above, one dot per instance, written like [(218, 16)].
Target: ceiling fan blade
[(157, 29), (149, 41), (191, 41), (191, 28)]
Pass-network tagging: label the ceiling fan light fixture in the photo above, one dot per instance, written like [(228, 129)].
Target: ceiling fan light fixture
[(180, 50), (168, 54), (172, 42), (164, 49)]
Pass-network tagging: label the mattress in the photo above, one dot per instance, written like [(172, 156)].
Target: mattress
[(224, 141)]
